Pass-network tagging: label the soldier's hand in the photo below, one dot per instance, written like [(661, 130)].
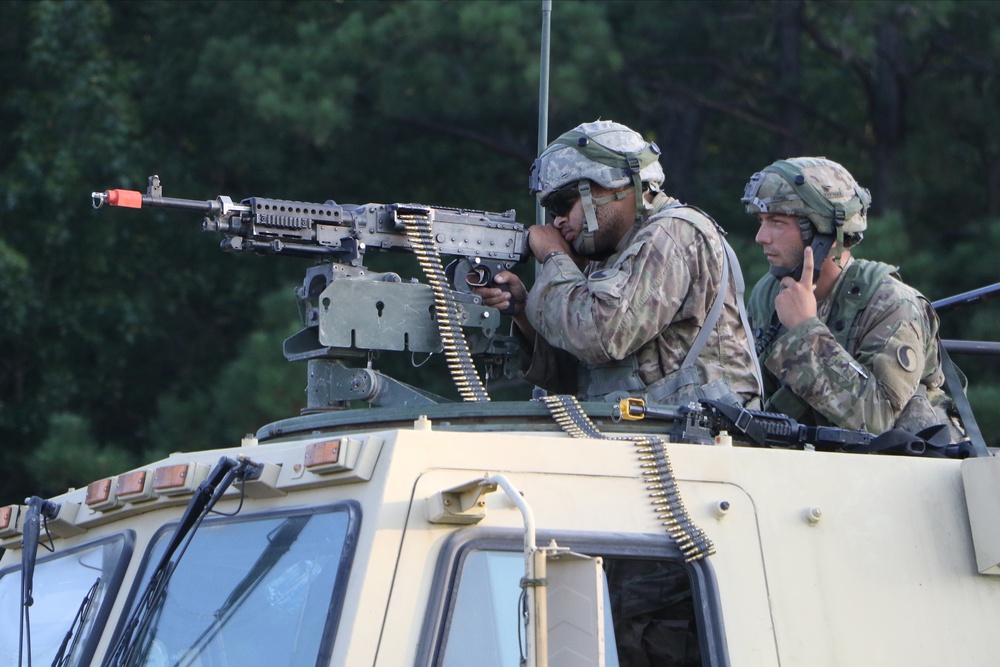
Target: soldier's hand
[(513, 298), (796, 302), (546, 239)]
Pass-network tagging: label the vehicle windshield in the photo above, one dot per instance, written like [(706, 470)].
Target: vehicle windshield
[(259, 590), (73, 589)]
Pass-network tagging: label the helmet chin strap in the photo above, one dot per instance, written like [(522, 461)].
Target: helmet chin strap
[(584, 244), (821, 244)]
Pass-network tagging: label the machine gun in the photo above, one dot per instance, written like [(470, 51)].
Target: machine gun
[(351, 312), (773, 429), (700, 422), (707, 418)]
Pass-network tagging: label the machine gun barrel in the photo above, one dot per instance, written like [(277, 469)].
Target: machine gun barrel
[(134, 199)]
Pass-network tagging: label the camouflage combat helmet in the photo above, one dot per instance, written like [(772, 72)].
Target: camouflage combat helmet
[(604, 152), (821, 193)]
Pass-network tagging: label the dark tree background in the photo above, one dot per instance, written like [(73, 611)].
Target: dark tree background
[(126, 335)]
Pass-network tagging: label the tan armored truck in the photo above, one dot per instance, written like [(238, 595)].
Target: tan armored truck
[(421, 532)]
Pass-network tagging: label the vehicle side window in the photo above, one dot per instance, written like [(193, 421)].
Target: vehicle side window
[(486, 614), (653, 611), (649, 612)]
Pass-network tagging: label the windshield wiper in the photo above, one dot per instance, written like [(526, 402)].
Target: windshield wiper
[(38, 509), (62, 656), (208, 494), (279, 544)]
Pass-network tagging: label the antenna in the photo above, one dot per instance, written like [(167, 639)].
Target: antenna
[(543, 93), (543, 124)]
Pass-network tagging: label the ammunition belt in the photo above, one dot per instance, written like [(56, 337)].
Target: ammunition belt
[(446, 312), (657, 472)]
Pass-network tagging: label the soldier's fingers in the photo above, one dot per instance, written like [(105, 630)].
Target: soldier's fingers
[(807, 268)]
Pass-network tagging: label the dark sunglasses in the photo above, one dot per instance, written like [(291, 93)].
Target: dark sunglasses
[(561, 201)]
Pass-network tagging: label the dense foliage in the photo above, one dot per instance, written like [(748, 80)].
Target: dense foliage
[(127, 334)]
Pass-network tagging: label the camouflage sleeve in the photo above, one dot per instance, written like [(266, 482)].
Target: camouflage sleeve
[(552, 369), (868, 390), (614, 311)]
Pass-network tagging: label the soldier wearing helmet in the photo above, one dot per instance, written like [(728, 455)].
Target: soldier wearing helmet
[(638, 294), (842, 340)]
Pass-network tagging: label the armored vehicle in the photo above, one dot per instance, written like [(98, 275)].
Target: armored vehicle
[(423, 532)]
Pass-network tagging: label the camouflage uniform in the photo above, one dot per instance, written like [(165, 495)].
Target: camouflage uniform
[(876, 367), (649, 299), (890, 362)]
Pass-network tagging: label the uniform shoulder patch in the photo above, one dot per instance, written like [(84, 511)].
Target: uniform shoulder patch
[(907, 358)]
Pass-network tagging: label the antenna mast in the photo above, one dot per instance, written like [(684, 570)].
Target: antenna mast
[(543, 93)]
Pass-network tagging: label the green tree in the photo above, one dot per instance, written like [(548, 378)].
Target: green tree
[(127, 334), (64, 120)]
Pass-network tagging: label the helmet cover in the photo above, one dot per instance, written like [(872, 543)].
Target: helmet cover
[(815, 188), (605, 152)]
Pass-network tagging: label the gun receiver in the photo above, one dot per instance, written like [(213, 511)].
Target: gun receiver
[(350, 311)]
